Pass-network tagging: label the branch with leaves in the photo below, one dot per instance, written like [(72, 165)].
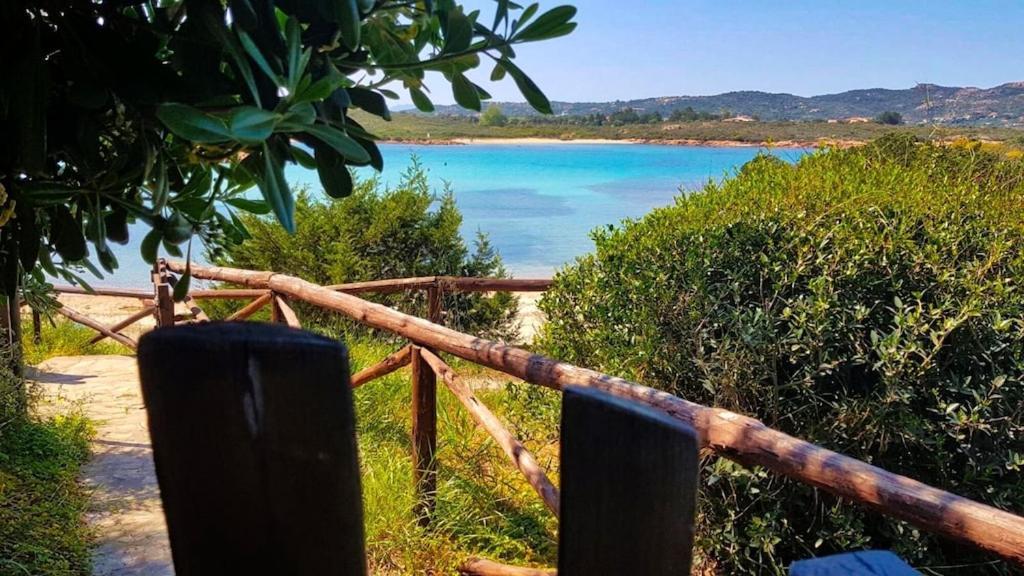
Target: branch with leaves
[(169, 112)]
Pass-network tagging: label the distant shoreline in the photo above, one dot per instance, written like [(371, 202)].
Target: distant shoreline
[(533, 140)]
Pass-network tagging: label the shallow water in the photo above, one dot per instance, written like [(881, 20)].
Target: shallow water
[(538, 202)]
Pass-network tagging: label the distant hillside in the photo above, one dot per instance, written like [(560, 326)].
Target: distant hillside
[(924, 103)]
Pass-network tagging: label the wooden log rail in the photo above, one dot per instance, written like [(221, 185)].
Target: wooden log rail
[(734, 436), (514, 449)]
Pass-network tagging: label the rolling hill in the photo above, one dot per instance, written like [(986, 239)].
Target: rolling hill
[(925, 103)]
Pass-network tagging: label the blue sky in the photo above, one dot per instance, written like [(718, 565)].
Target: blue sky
[(626, 49)]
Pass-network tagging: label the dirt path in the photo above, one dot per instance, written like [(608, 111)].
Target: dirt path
[(125, 510)]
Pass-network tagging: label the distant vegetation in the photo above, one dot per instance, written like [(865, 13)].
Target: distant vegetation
[(889, 117), (865, 300), (680, 125)]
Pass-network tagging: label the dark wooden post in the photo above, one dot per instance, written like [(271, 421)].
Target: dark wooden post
[(424, 419), (162, 295), (275, 310), (629, 488), (424, 435), (253, 434)]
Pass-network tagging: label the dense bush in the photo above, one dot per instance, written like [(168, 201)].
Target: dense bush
[(867, 300), (379, 233)]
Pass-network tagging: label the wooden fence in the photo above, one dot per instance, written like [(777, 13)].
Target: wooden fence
[(734, 436)]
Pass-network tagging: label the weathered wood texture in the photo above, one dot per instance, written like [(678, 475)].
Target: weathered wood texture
[(285, 313), (164, 306), (227, 294), (121, 325), (255, 449), (484, 567), (740, 438), (252, 307), (86, 321), (516, 452), (386, 366), (629, 488), (424, 435)]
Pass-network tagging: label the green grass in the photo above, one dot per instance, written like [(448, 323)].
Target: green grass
[(64, 338), (414, 127), (41, 504), (484, 506)]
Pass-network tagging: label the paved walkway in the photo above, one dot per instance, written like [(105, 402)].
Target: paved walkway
[(125, 511)]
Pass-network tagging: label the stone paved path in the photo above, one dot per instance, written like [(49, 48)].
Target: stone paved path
[(125, 510)]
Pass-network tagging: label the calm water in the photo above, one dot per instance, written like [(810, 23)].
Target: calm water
[(538, 202)]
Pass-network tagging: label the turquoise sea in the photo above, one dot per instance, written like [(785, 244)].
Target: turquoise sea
[(538, 202)]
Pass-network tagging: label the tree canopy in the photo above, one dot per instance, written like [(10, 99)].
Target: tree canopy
[(168, 111)]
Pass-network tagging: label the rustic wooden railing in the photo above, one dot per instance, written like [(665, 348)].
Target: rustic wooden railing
[(734, 436)]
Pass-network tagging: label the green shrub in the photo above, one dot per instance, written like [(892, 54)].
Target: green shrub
[(867, 300), (376, 234)]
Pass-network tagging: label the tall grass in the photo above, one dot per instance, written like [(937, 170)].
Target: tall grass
[(64, 338), (484, 506)]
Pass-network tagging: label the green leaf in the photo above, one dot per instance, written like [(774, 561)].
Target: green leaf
[(276, 191), (525, 17), (465, 92), (192, 124), (498, 74), (254, 52), (334, 174), (341, 142), (293, 34), (252, 125), (458, 32), (529, 89), (370, 101), (151, 245), (66, 234), (183, 283), (304, 113), (178, 229), (320, 89), (551, 24), (349, 22), (420, 100), (251, 206), (302, 158)]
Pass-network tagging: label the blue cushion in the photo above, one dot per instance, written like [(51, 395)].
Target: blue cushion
[(868, 563)]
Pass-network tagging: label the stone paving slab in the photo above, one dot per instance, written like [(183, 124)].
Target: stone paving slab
[(125, 510)]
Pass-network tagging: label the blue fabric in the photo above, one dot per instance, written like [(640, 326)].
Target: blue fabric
[(869, 563)]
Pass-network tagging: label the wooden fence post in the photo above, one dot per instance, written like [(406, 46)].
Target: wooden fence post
[(629, 488), (424, 418), (162, 295), (424, 436), (253, 433)]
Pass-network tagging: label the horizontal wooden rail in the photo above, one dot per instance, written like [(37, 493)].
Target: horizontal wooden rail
[(383, 368), (513, 448), (226, 294), (117, 327), (484, 567), (86, 321), (738, 437)]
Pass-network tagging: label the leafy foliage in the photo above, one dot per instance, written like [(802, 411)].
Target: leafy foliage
[(166, 113), (867, 300), (493, 116), (406, 231), (889, 117)]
